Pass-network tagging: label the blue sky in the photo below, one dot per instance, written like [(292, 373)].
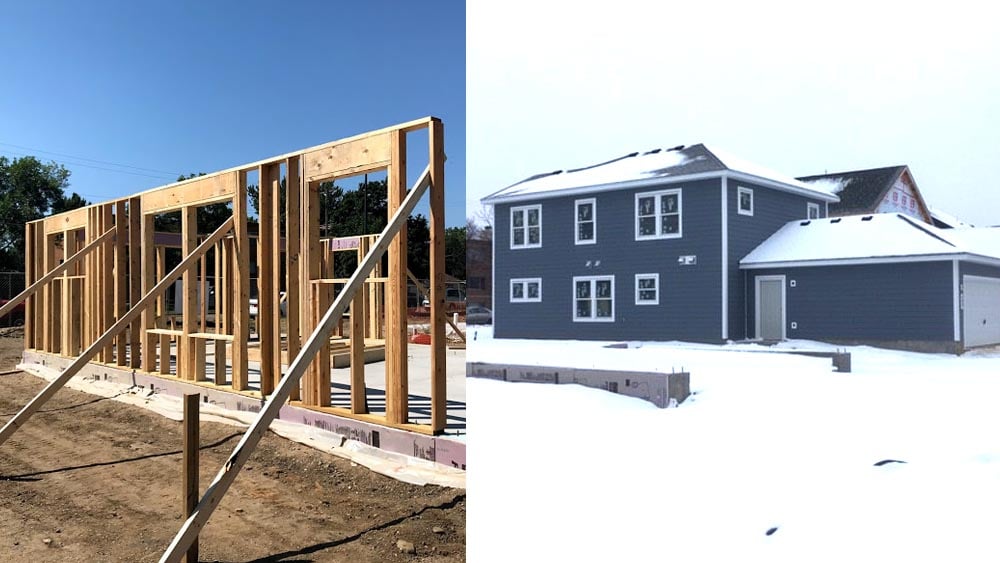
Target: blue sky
[(180, 87)]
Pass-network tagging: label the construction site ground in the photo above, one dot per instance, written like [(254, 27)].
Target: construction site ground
[(92, 479)]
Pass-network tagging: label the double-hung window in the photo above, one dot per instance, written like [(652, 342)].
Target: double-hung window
[(525, 290), (526, 226), (744, 201), (658, 215), (594, 299), (647, 289), (586, 221)]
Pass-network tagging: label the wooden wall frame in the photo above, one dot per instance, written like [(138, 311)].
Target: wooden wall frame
[(114, 265)]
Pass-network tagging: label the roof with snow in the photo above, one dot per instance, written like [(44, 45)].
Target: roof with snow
[(946, 220), (860, 191), (649, 168), (882, 236)]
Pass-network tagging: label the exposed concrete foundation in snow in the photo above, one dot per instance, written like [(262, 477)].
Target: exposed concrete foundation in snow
[(661, 389)]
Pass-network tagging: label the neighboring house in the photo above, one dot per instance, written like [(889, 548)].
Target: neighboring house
[(944, 220), (877, 190), (479, 272), (646, 246), (885, 279)]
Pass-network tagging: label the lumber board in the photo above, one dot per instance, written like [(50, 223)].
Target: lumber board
[(67, 221), (229, 471), (135, 277), (121, 281), (241, 286), (266, 247), (349, 158), (204, 190), (187, 360), (439, 380), (396, 377), (293, 237), (191, 462), (149, 258)]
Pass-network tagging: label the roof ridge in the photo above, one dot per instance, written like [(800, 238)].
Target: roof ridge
[(847, 172)]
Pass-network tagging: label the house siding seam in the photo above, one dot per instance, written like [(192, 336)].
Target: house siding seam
[(689, 305), (772, 210), (879, 302)]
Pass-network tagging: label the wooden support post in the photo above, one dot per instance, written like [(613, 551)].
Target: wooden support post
[(48, 305), (187, 358), (218, 316), (121, 282), (322, 391), (439, 380), (268, 272), (192, 442), (29, 278), (135, 277), (231, 469), (396, 379), (67, 297), (107, 276), (149, 266), (203, 295), (39, 266), (241, 285), (293, 212), (161, 305), (310, 270), (359, 395)]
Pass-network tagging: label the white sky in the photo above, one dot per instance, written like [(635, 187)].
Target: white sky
[(799, 88)]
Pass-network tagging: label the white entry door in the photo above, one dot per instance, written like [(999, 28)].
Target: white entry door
[(982, 311), (770, 307)]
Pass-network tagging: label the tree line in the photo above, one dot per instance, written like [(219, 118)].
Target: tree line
[(31, 190)]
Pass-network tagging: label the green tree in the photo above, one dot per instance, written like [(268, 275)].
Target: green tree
[(454, 251), (29, 190), (74, 201)]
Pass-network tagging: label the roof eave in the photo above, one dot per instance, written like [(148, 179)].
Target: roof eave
[(657, 181)]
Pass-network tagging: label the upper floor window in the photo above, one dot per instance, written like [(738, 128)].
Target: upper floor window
[(526, 226), (594, 299), (525, 290), (812, 211), (658, 215), (744, 198), (586, 221)]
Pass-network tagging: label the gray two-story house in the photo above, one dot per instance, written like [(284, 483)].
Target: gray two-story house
[(645, 247)]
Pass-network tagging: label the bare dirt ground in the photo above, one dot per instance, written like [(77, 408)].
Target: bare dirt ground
[(92, 479)]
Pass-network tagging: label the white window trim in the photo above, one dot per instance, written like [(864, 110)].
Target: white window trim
[(576, 219), (525, 209), (656, 299), (740, 190), (656, 195), (810, 207), (593, 309), (525, 282)]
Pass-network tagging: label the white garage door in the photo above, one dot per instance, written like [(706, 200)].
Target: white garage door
[(982, 310)]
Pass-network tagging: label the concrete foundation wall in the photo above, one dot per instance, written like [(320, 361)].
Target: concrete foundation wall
[(657, 388), (438, 449)]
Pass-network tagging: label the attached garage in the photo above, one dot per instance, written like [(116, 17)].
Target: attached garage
[(886, 280), (981, 310)]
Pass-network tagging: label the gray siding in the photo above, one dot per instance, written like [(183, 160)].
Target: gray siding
[(690, 306), (878, 302), (772, 210)]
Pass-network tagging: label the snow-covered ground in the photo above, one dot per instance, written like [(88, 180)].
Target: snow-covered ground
[(767, 441)]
